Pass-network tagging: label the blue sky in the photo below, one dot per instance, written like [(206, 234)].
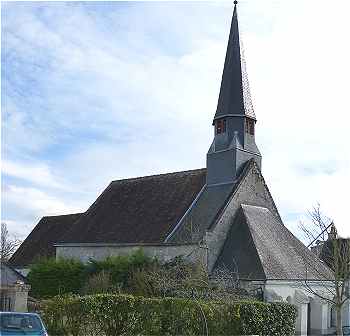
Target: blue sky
[(97, 91)]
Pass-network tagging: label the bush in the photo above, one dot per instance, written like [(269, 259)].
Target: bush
[(108, 315), (50, 277), (99, 283), (120, 268)]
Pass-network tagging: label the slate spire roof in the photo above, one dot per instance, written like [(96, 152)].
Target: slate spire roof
[(234, 97)]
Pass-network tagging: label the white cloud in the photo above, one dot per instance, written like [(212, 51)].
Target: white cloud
[(24, 206), (38, 173)]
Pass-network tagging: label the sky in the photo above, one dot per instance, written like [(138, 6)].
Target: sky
[(97, 91)]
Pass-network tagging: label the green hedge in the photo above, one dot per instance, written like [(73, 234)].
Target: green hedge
[(112, 315), (50, 277)]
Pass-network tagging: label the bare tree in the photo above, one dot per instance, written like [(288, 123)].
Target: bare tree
[(317, 228), (335, 253), (9, 244)]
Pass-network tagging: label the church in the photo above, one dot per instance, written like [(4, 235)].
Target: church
[(221, 215)]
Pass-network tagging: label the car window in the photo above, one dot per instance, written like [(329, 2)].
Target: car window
[(20, 322)]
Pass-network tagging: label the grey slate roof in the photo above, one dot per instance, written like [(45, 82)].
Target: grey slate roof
[(204, 210), (234, 97), (269, 250)]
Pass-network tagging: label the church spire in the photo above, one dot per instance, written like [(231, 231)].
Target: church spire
[(234, 97), (234, 120)]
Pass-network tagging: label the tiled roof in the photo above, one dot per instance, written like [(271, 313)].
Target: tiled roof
[(138, 210), (40, 241)]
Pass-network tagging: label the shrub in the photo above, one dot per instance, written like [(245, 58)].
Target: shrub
[(99, 283), (107, 314), (50, 277), (121, 267)]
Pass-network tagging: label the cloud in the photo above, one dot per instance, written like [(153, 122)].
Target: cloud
[(22, 207), (94, 92), (38, 174)]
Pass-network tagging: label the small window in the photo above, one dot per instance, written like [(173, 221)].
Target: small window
[(220, 126), (249, 126)]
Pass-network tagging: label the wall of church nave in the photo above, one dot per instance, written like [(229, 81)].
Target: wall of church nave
[(85, 252)]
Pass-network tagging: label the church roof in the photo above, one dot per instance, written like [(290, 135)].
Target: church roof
[(40, 241), (234, 97), (261, 247), (206, 208), (138, 210)]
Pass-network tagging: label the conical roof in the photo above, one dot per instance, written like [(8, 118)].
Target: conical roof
[(234, 97)]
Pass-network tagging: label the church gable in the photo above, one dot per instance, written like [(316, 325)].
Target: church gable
[(250, 189)]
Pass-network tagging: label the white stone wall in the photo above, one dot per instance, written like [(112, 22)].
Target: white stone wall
[(18, 294), (162, 252), (296, 293)]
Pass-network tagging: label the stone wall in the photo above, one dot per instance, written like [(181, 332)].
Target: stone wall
[(252, 191), (18, 296), (163, 252)]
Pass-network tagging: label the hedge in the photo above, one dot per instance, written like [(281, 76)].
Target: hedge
[(51, 277), (111, 314)]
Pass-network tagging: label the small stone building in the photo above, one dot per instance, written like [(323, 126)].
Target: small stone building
[(221, 215), (13, 290)]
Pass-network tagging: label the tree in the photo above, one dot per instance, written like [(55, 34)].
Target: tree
[(8, 244), (317, 229), (334, 251)]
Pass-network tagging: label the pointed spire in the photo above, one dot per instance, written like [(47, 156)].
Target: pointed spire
[(234, 97)]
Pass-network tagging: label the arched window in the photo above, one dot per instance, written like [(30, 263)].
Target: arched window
[(220, 126)]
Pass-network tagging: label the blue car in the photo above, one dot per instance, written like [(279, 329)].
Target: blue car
[(19, 324), (346, 331)]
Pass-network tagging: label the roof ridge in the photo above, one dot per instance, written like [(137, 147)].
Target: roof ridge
[(157, 175), (249, 225), (72, 214), (254, 206)]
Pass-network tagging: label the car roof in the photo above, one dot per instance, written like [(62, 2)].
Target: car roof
[(18, 313)]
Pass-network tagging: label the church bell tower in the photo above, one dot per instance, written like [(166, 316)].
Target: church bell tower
[(234, 120)]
